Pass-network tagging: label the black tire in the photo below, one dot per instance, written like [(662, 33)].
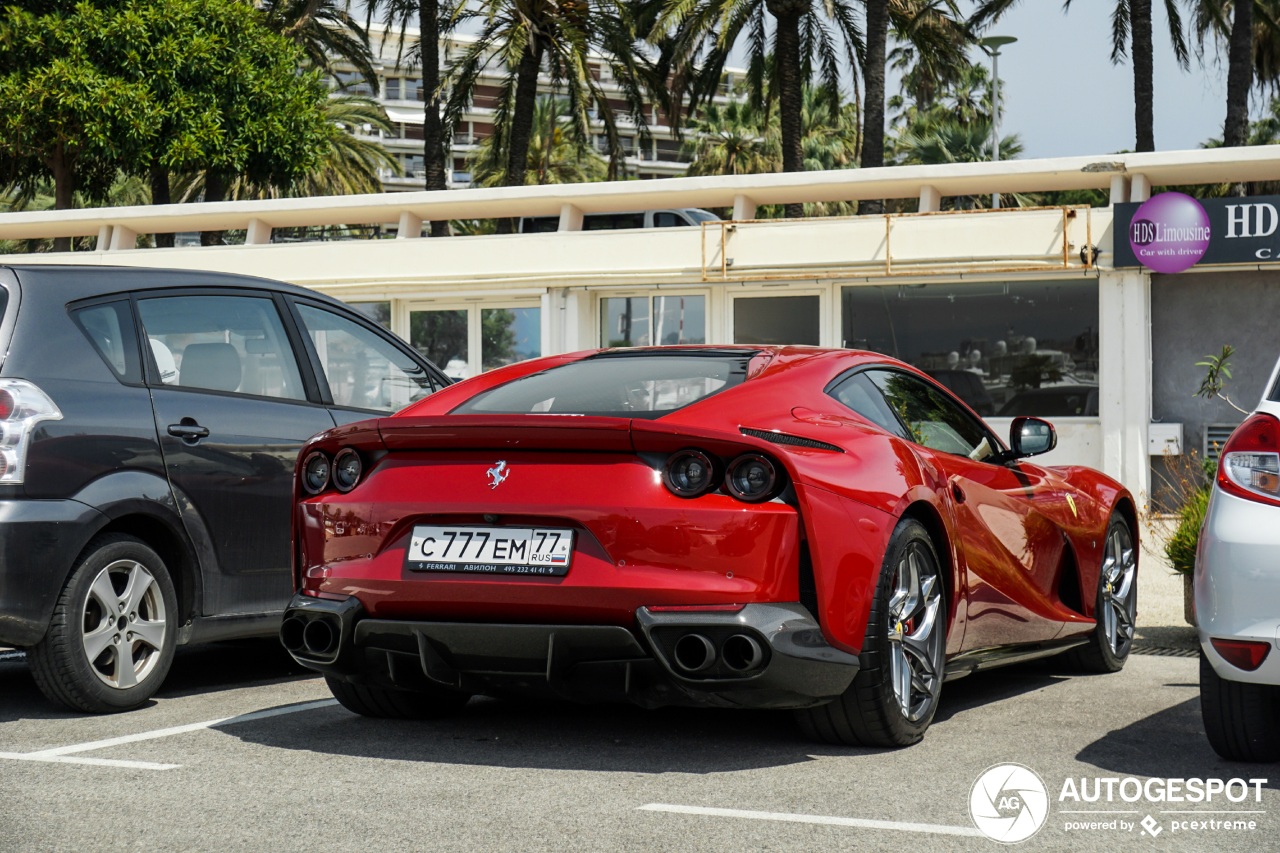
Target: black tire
[(99, 609), (1117, 596), (1239, 718), (370, 700), (870, 712)]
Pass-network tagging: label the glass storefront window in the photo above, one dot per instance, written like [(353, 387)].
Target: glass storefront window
[(378, 312), (1005, 348), (641, 321), (508, 335), (441, 336), (776, 320)]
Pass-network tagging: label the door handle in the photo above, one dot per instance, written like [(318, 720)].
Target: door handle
[(189, 431)]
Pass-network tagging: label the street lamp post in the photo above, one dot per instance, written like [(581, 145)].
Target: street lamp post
[(992, 45)]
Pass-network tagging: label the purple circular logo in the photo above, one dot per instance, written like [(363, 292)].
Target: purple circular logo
[(1169, 232)]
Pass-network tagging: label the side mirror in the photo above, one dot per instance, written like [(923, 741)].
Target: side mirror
[(1031, 437)]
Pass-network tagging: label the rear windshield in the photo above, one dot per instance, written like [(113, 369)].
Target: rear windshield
[(625, 385)]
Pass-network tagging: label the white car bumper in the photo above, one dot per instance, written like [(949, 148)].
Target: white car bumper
[(1237, 583)]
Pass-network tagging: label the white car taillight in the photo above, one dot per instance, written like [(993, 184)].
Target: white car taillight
[(22, 406), (1249, 466)]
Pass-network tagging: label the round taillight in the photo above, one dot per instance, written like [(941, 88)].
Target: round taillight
[(7, 405), (347, 469), (689, 473), (315, 473), (751, 477)]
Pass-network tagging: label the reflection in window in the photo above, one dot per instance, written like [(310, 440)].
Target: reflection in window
[(931, 419), (363, 370), (441, 336), (992, 344), (776, 320), (378, 312), (640, 321), (509, 335)]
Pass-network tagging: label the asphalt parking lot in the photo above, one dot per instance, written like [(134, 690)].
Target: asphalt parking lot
[(243, 751)]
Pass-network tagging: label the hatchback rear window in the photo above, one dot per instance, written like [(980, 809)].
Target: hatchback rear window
[(625, 385)]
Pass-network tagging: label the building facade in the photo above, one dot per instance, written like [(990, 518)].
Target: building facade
[(1020, 311)]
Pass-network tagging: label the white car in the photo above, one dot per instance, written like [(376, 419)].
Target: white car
[(1237, 591)]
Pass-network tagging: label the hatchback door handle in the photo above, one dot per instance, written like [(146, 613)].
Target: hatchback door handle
[(189, 430)]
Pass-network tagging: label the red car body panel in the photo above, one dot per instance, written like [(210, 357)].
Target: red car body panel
[(1020, 544)]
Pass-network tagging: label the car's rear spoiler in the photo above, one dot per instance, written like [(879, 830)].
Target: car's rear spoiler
[(516, 432)]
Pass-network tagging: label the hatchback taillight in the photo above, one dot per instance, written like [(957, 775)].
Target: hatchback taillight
[(1249, 466), (22, 406)]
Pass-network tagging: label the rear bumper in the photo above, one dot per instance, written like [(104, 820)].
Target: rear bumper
[(39, 542), (762, 656), (1237, 583)]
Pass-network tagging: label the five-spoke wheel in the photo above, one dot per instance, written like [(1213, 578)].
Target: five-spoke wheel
[(111, 639), (1116, 606), (895, 694)]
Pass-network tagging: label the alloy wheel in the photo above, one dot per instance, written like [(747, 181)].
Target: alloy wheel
[(915, 634), (123, 624), (1119, 599)]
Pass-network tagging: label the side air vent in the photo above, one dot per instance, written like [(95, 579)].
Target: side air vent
[(792, 440)]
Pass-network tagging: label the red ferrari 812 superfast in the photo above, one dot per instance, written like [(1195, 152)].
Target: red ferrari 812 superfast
[(829, 531)]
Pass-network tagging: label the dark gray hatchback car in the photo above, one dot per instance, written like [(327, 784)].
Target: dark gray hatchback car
[(149, 425)]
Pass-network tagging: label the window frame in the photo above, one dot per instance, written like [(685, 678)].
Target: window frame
[(438, 379), (300, 351), (999, 448)]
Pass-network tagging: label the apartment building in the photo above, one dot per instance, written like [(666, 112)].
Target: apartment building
[(400, 92)]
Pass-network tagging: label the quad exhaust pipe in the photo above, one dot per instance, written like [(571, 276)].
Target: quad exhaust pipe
[(742, 653), (696, 653), (316, 637)]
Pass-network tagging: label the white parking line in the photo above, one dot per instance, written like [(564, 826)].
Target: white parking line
[(860, 823), (61, 754), (12, 655)]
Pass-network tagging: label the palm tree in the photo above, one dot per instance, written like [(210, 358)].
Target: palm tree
[(1130, 33), (526, 35), (326, 32), (808, 40), (554, 155), (1251, 34), (434, 19), (733, 139), (945, 140)]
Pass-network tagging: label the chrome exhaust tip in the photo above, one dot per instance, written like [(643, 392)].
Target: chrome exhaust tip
[(742, 653), (694, 653)]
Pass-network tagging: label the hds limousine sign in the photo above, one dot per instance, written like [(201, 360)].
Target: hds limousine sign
[(1172, 232)]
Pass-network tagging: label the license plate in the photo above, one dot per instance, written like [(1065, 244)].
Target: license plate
[(490, 550)]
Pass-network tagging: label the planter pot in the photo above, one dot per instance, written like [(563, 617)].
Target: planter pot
[(1188, 599)]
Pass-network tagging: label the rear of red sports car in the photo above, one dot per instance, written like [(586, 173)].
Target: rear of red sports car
[(718, 526), (624, 526)]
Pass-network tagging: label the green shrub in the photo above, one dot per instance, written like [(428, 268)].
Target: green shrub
[(1181, 547)]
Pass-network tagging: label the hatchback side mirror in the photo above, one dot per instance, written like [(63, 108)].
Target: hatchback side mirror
[(1031, 437)]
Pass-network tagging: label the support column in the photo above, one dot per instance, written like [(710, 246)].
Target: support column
[(1139, 188), (743, 208), (570, 218), (1124, 377), (104, 238), (258, 233), (410, 226), (930, 199), (1119, 189), (122, 238)]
